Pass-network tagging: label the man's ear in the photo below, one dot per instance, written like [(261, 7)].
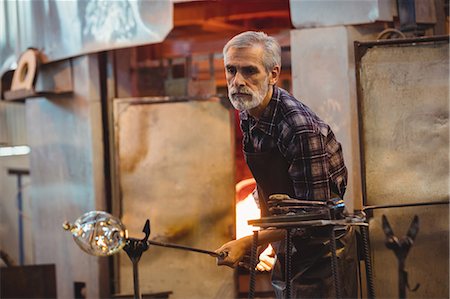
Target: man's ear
[(274, 75)]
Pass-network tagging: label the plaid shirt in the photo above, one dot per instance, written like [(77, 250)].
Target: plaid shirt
[(316, 164)]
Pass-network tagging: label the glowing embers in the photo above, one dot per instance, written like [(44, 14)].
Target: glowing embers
[(98, 233)]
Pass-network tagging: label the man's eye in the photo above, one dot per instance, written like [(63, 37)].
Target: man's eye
[(248, 71), (231, 70)]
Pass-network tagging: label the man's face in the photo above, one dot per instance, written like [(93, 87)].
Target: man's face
[(247, 79)]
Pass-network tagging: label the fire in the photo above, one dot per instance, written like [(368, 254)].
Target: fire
[(246, 208)]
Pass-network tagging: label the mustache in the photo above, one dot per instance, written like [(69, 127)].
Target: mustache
[(241, 89)]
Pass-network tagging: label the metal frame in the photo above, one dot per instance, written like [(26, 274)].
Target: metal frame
[(267, 223), (360, 49)]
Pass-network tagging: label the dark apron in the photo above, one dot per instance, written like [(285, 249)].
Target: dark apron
[(311, 265)]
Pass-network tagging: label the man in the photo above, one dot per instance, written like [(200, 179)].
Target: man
[(289, 150)]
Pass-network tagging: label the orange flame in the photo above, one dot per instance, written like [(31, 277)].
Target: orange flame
[(246, 208)]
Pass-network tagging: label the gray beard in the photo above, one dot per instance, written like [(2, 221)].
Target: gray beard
[(240, 103)]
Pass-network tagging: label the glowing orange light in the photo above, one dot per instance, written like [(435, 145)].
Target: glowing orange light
[(246, 208)]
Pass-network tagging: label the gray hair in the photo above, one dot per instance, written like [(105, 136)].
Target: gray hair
[(272, 50)]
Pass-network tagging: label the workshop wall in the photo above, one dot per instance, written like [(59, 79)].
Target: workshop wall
[(66, 165), (179, 174), (404, 101), (10, 214)]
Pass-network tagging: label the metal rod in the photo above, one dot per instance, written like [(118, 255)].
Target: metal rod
[(415, 40), (20, 173), (334, 264), (288, 264), (137, 292), (443, 202), (212, 253), (20, 218), (368, 262), (402, 280), (253, 264)]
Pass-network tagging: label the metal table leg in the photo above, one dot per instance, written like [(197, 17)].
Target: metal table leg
[(288, 264), (253, 264), (334, 264), (368, 262)]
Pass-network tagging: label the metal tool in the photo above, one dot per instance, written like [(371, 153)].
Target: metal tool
[(401, 247), (211, 253), (148, 242)]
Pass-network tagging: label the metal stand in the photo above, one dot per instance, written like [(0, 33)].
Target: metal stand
[(401, 249), (292, 222), (20, 173), (134, 249)]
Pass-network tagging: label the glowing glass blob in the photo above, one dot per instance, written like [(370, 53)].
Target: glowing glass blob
[(98, 233)]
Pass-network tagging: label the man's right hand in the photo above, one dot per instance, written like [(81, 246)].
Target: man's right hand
[(235, 251)]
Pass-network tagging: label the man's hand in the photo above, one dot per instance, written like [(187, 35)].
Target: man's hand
[(266, 259), (235, 251)]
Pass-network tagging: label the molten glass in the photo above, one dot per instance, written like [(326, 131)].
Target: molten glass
[(98, 233)]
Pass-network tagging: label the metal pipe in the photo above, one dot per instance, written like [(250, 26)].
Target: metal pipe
[(443, 202), (212, 253)]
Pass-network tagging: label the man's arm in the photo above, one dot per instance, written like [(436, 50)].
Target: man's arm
[(306, 154), (236, 249)]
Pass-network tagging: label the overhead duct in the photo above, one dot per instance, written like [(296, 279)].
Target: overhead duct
[(63, 29)]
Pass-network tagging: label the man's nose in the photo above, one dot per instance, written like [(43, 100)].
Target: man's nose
[(238, 79)]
